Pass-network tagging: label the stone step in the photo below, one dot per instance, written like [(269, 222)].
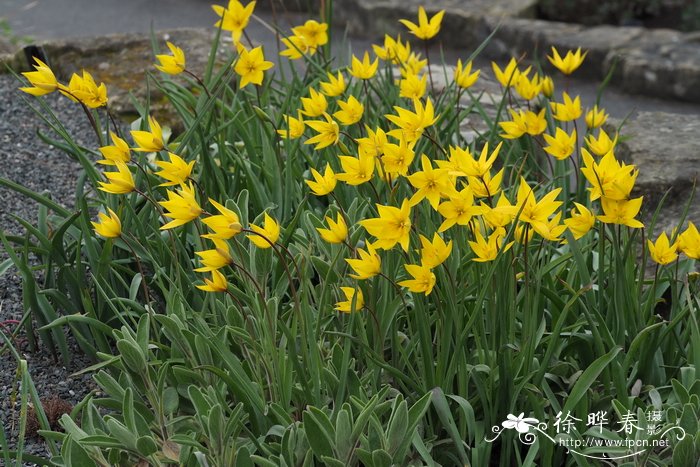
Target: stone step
[(653, 62)]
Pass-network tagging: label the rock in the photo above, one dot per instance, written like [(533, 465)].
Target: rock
[(289, 5), (6, 47), (669, 70), (666, 150), (462, 24)]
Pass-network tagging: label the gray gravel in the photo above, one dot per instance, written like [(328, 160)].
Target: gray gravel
[(25, 159)]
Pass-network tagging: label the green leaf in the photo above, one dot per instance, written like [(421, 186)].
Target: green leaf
[(587, 378), (131, 356), (381, 458), (319, 432), (343, 433), (443, 410), (684, 453), (398, 424), (146, 446)]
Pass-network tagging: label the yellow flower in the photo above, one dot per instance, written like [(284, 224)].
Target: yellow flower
[(216, 258), (430, 183), (570, 62), (391, 227), (363, 69), (225, 225), (328, 132), (412, 86), (459, 209), (356, 170), (554, 229), (322, 184), (350, 111), (120, 182), (622, 212), (602, 145), (486, 186), (182, 207), (369, 264), (528, 88), (234, 18), (608, 178), (596, 117), (580, 222), (397, 158), (465, 165), (314, 105), (423, 279), (109, 226), (176, 171), (412, 124), (335, 85), (662, 251), (498, 217), (270, 231), (394, 50), (425, 29), (85, 90), (172, 64), (487, 250), (373, 144), (524, 122), (296, 47), (547, 86), (42, 80), (568, 110), (149, 141), (118, 152), (561, 145), (533, 212), (463, 77), (523, 233), (434, 253), (315, 34), (217, 284), (509, 75), (295, 127), (352, 296), (689, 242), (337, 231), (251, 66), (412, 65)]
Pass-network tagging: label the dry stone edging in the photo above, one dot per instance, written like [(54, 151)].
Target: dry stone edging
[(666, 150), (653, 62)]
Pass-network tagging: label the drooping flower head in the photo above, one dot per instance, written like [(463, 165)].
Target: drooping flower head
[(42, 80), (266, 235), (182, 207), (83, 89), (109, 226), (171, 64)]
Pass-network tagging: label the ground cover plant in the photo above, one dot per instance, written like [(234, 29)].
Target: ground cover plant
[(320, 268)]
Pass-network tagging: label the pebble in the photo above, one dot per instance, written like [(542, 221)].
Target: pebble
[(27, 160)]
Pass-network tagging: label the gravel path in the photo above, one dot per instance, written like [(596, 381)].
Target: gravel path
[(25, 159)]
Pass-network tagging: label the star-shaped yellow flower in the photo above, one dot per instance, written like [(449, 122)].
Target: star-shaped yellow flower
[(426, 28), (251, 66)]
